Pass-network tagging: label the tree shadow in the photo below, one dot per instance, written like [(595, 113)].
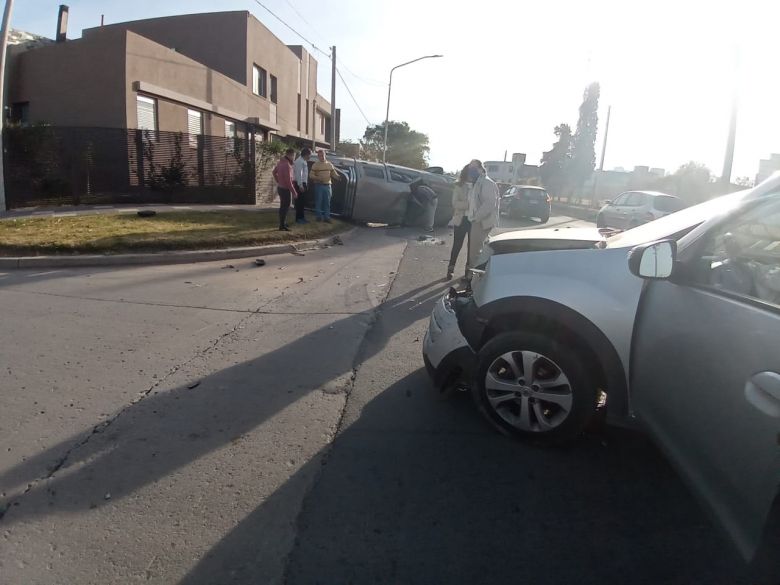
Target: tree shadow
[(163, 432), (419, 492)]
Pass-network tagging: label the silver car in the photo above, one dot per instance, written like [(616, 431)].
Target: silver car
[(634, 208), (673, 326)]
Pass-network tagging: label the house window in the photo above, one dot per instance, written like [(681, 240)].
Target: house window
[(259, 81), (273, 89), (146, 108), (230, 136), (194, 126)]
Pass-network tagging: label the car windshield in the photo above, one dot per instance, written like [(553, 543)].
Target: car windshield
[(676, 224)]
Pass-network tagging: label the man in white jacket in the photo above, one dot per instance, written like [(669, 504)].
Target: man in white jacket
[(483, 208)]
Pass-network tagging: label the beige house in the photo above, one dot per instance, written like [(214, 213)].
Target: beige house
[(217, 74)]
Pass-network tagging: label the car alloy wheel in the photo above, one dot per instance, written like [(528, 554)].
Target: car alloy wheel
[(536, 385), (529, 391)]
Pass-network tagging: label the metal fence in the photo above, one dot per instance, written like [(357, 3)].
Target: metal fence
[(49, 165)]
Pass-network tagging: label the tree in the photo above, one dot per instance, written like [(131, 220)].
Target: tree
[(405, 146), (743, 182), (555, 162), (583, 149), (692, 182)]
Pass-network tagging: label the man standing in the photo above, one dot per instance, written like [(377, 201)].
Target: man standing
[(322, 172), (427, 200), (483, 208), (301, 172), (283, 175)]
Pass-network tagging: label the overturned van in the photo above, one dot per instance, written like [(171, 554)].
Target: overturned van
[(381, 193)]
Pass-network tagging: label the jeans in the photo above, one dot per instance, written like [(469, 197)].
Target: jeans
[(284, 205), (300, 202), (322, 194), (461, 231)]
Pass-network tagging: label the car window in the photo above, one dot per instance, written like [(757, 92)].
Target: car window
[(667, 204), (621, 199), (400, 176), (374, 171), (635, 200), (743, 256)]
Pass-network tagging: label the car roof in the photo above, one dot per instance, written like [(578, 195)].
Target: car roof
[(530, 187), (652, 193)]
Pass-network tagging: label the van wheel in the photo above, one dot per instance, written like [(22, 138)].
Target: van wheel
[(529, 386)]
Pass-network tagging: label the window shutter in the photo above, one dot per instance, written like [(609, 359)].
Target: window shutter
[(147, 115), (194, 126)]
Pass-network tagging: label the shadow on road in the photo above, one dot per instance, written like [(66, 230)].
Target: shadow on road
[(165, 431)]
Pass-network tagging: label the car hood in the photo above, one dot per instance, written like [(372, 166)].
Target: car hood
[(544, 239)]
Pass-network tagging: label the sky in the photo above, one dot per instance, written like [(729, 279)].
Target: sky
[(511, 71)]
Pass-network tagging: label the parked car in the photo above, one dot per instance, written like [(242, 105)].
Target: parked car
[(673, 326), (380, 193), (634, 208), (526, 201)]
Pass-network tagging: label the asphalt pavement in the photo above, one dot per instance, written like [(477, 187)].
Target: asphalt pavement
[(223, 423)]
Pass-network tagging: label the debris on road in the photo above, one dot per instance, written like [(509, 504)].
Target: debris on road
[(337, 241), (193, 385), (230, 266), (259, 262), (147, 213)]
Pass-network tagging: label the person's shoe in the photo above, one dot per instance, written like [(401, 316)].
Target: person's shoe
[(450, 272), (284, 228)]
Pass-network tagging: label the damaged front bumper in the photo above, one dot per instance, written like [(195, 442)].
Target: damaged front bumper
[(449, 358)]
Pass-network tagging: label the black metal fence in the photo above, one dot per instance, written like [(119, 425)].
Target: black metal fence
[(49, 165)]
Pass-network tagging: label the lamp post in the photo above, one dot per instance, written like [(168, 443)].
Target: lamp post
[(389, 88)]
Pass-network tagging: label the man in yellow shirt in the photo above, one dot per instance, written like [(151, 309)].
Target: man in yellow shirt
[(321, 174)]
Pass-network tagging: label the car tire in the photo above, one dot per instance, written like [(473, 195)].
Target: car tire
[(553, 407), (600, 222)]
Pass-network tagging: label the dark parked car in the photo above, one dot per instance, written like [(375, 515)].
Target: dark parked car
[(526, 201), (380, 193)]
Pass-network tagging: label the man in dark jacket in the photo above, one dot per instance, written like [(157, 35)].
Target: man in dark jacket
[(426, 200)]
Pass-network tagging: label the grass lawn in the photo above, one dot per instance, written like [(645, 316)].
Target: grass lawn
[(123, 233)]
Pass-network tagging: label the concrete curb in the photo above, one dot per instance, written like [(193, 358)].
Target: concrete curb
[(177, 257)]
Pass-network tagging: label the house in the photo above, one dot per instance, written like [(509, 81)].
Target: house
[(219, 74), (164, 109)]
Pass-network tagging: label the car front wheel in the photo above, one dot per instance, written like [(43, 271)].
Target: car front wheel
[(531, 387)]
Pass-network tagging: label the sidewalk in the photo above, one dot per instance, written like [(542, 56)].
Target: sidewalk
[(70, 211)]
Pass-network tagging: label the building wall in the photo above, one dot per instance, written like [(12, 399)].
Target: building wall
[(217, 40), (196, 86), (767, 166), (78, 83)]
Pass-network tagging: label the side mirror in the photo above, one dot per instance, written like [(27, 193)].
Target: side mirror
[(654, 261), (608, 202)]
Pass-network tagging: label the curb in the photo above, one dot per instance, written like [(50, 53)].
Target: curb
[(178, 257)]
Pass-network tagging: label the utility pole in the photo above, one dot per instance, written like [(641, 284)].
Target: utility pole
[(728, 161), (9, 4), (606, 135), (333, 99)]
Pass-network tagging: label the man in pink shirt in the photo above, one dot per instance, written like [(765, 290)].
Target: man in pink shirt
[(283, 175)]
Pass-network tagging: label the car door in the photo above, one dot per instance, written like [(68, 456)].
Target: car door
[(611, 213), (377, 199), (632, 209), (705, 368)]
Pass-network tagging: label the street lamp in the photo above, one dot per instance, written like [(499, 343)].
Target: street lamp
[(389, 88)]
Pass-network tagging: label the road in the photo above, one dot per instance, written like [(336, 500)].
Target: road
[(212, 424)]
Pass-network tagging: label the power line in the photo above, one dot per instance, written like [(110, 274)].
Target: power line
[(272, 13), (363, 79), (349, 91), (303, 18)]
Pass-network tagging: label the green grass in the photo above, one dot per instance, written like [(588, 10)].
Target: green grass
[(123, 233)]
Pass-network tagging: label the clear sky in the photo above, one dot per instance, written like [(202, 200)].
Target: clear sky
[(513, 70)]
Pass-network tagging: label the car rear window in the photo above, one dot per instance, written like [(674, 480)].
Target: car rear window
[(667, 204)]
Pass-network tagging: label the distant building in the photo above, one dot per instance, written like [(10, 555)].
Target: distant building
[(768, 166), (514, 171)]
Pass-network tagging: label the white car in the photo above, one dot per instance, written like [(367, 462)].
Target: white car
[(674, 326), (633, 208)]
